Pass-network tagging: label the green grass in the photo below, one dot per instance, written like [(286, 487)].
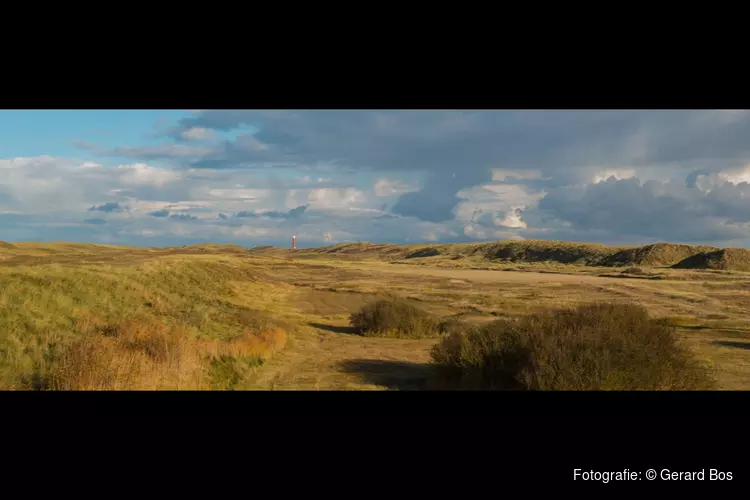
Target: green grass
[(228, 372)]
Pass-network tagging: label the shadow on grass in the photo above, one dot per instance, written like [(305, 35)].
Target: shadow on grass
[(731, 343), (395, 375), (349, 330)]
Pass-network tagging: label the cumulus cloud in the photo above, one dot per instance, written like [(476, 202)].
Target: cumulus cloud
[(616, 173), (436, 201), (446, 176), (511, 219), (460, 149), (671, 211), (140, 173), (328, 199)]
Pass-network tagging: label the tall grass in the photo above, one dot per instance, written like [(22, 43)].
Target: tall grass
[(592, 347), (157, 325)]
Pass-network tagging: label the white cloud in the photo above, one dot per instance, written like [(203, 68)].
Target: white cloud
[(240, 194), (713, 210), (708, 182), (735, 176), (502, 203), (326, 199), (140, 173), (512, 218), (617, 173), (198, 134), (385, 187)]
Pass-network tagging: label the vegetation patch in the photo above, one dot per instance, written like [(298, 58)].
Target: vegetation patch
[(656, 255), (592, 347), (395, 318), (534, 252), (727, 259), (143, 354), (424, 252)]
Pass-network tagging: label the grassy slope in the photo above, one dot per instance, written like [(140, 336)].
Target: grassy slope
[(198, 306), (586, 254)]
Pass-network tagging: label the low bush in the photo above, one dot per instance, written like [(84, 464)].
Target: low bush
[(453, 325), (395, 318), (592, 347)]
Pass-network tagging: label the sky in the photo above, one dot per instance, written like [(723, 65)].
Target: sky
[(259, 177)]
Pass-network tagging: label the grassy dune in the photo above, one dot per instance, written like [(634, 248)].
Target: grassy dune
[(667, 255), (134, 322)]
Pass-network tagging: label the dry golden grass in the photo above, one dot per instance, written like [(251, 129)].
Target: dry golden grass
[(713, 307), (176, 318), (160, 321), (142, 354)]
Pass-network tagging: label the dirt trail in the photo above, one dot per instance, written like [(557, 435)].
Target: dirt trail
[(329, 357)]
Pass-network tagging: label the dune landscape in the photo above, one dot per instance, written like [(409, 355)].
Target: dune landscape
[(225, 317)]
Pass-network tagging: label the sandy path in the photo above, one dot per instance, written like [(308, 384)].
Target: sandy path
[(318, 359)]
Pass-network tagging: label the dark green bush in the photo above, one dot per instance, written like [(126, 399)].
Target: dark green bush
[(593, 347), (394, 318)]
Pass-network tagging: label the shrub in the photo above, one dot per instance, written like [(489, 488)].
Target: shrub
[(593, 347), (453, 325), (394, 318)]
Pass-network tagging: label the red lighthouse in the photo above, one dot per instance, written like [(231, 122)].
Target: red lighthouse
[(294, 242)]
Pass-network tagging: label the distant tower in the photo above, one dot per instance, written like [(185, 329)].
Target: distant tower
[(294, 242)]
